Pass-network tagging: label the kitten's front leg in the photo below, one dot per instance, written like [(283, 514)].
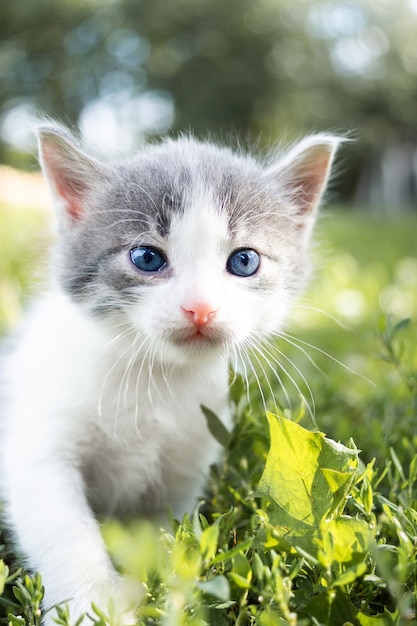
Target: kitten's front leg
[(61, 538)]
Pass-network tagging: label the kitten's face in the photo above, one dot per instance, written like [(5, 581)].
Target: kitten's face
[(197, 249), (214, 288)]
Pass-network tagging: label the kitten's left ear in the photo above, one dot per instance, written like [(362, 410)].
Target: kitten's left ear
[(304, 172), (73, 176)]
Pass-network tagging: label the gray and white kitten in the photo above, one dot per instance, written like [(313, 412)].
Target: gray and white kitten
[(165, 268)]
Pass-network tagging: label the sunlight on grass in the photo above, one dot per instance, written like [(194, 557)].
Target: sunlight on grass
[(227, 563), (23, 246), (372, 270)]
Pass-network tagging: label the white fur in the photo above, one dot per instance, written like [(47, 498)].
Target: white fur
[(54, 429), (78, 398), (104, 411)]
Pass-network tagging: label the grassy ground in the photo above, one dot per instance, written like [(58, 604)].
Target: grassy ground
[(233, 563)]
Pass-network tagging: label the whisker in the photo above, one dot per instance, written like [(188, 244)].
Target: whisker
[(112, 342), (258, 382), (322, 312), (241, 359), (233, 368), (106, 378), (286, 336), (124, 220), (311, 409), (151, 382), (167, 374), (301, 349), (255, 348), (264, 353), (138, 379), (127, 373)]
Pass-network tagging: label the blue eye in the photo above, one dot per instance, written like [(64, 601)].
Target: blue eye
[(147, 259), (243, 262)]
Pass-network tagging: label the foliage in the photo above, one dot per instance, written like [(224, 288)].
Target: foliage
[(247, 66), (22, 242), (349, 554)]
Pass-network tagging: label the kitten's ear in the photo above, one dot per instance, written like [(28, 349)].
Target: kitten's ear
[(71, 173), (304, 172)]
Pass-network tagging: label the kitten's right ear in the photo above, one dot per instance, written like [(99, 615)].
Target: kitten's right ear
[(71, 173), (304, 172)]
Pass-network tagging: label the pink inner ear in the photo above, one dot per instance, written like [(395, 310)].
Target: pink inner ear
[(310, 179), (72, 205), (65, 183)]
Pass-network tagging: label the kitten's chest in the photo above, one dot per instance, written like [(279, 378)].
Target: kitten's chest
[(146, 466), (149, 437), (141, 401)]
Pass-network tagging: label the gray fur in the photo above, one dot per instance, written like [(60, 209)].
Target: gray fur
[(104, 414), (139, 196)]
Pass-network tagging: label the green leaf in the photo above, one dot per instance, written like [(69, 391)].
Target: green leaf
[(208, 542), (332, 609), (350, 575), (240, 581), (4, 574), (16, 620), (272, 618), (397, 464), (241, 565), (218, 587), (216, 427), (221, 557), (242, 573), (383, 619), (307, 477), (340, 484), (237, 388), (401, 325), (351, 538)]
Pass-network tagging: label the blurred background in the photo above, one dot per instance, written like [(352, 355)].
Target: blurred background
[(266, 72)]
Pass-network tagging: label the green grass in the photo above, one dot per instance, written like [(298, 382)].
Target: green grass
[(23, 241), (231, 562)]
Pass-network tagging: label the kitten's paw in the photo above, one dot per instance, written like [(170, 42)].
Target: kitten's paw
[(116, 602)]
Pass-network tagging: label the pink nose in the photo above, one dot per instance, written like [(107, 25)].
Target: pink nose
[(200, 313)]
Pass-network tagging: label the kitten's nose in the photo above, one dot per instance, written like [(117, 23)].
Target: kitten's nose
[(200, 313)]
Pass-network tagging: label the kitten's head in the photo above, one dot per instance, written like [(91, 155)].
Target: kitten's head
[(195, 247)]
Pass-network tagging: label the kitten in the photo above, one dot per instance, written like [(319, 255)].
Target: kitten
[(165, 266)]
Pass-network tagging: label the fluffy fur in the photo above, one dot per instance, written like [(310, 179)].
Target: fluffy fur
[(102, 406)]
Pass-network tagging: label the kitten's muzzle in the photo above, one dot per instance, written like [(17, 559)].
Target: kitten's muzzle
[(198, 327), (200, 314), (200, 339)]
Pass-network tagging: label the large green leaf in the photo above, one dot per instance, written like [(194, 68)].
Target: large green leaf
[(307, 478)]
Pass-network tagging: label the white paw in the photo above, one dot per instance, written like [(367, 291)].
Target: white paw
[(116, 600)]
